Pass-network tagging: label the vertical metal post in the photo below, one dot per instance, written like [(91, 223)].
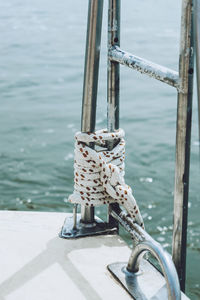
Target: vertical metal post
[(90, 85), (113, 67), (113, 78), (183, 135), (197, 46)]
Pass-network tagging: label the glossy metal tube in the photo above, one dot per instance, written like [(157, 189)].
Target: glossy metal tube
[(146, 243), (165, 261), (90, 85)]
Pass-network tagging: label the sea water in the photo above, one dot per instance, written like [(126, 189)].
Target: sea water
[(41, 77)]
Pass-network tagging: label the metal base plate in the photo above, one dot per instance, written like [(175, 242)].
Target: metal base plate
[(82, 230), (146, 284)]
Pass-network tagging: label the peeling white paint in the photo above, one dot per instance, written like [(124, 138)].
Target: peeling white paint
[(144, 66)]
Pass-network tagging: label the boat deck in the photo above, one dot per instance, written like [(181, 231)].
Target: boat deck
[(36, 263)]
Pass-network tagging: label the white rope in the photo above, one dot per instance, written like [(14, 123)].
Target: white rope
[(99, 176)]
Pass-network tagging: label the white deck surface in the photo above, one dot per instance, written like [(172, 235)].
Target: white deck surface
[(35, 264)]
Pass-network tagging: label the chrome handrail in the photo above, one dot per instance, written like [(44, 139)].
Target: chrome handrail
[(146, 243), (165, 261)]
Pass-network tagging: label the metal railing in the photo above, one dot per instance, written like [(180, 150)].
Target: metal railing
[(146, 243), (181, 80)]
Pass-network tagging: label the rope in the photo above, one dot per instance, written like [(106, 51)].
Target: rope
[(99, 175)]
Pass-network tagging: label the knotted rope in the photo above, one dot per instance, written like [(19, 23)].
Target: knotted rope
[(99, 176)]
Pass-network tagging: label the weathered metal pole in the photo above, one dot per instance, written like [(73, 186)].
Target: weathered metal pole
[(183, 136), (113, 78), (90, 84), (113, 67), (144, 66), (197, 45)]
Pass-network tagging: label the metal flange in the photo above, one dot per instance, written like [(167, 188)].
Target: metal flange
[(98, 227)]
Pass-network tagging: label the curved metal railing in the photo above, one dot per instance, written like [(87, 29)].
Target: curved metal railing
[(146, 243), (165, 262)]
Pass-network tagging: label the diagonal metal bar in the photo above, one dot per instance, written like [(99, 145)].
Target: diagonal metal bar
[(144, 66)]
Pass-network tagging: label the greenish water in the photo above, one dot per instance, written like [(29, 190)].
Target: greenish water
[(41, 62)]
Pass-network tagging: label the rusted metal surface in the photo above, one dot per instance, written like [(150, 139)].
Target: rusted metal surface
[(90, 84), (183, 136), (144, 66)]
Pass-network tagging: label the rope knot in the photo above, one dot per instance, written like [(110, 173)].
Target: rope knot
[(99, 175)]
